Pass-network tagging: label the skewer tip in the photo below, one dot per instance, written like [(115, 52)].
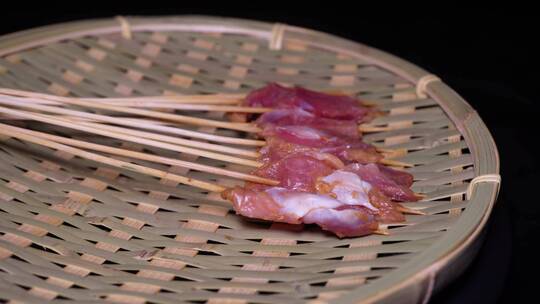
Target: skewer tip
[(372, 129), (395, 163), (385, 150), (420, 196), (368, 103), (381, 232), (408, 210)]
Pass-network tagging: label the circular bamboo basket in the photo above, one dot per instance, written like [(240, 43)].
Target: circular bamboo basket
[(75, 230)]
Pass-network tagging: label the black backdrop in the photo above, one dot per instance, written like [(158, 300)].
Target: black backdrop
[(487, 55)]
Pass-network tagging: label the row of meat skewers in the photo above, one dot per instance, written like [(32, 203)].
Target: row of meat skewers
[(311, 167)]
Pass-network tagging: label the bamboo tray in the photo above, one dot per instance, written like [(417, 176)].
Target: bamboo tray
[(72, 230)]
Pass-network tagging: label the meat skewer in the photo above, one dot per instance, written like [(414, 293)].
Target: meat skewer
[(168, 139), (199, 103), (140, 137)]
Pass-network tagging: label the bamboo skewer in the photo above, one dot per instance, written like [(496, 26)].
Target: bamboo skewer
[(80, 126), (164, 138), (214, 99), (385, 150), (394, 163), (218, 99), (160, 105), (162, 127), (136, 123), (195, 107), (372, 129), (175, 140), (113, 162), (247, 127), (143, 156), (408, 210), (381, 232)]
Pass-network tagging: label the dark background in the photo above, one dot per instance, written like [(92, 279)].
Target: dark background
[(487, 56)]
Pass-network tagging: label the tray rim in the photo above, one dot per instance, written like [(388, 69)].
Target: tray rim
[(417, 279)]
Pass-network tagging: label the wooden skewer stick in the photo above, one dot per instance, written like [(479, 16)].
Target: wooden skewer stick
[(159, 126), (407, 210), (420, 195), (368, 103), (371, 129), (384, 150), (79, 126), (247, 127), (196, 107), (143, 156), (154, 136), (221, 99), (395, 163), (113, 162), (160, 105), (175, 140), (154, 125), (147, 101), (157, 101), (381, 232), (210, 99), (193, 107), (163, 127)]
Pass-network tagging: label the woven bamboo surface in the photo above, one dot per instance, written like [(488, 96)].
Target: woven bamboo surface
[(75, 230)]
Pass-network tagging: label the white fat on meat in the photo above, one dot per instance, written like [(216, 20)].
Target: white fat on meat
[(303, 132), (349, 188), (301, 203)]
